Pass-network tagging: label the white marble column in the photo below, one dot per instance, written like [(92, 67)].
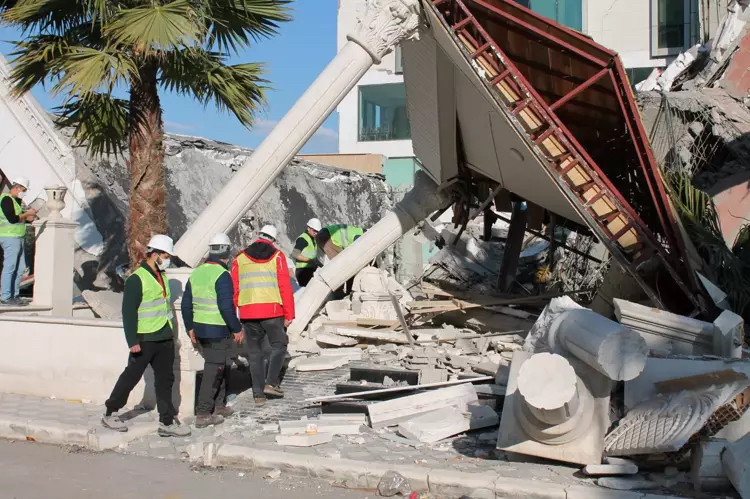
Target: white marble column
[(418, 204), (384, 24), (53, 257)]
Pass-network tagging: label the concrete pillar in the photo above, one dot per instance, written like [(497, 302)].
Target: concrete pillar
[(606, 346), (417, 205), (384, 24), (549, 387), (53, 257)]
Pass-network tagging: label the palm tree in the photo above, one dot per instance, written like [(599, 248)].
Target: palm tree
[(94, 52)]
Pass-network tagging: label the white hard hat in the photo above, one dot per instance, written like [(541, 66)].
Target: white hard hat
[(219, 239), (315, 224), (22, 181), (270, 231), (162, 243)]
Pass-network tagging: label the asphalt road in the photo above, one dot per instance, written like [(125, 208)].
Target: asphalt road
[(30, 470)]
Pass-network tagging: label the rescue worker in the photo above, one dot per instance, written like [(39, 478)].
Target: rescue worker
[(211, 321), (147, 321), (265, 299), (333, 240), (305, 252), (13, 222)]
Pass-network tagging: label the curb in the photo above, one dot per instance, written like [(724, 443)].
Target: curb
[(52, 432), (441, 482)]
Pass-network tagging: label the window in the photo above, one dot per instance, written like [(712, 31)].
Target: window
[(637, 75), (670, 26), (566, 12), (382, 113)]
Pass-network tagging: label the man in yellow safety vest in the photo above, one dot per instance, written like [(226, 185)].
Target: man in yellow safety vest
[(305, 252), (211, 321), (265, 299), (13, 222), (336, 238), (147, 320)]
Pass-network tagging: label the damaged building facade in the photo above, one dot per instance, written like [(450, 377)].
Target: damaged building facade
[(540, 186)]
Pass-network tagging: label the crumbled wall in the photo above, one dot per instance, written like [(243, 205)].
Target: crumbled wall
[(196, 171)]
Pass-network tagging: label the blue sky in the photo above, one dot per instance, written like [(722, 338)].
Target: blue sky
[(293, 59)]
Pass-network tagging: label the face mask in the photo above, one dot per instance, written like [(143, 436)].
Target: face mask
[(164, 264), (21, 195)]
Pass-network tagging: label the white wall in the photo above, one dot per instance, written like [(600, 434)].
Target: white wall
[(348, 109), (625, 27)]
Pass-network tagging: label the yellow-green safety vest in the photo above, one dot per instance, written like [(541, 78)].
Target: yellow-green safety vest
[(258, 282), (155, 310), (343, 235), (310, 251), (203, 287), (8, 229)]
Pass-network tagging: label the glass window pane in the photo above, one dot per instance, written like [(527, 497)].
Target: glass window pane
[(671, 23), (566, 12), (382, 111)]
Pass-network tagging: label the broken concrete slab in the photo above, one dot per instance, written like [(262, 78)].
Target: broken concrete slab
[(610, 469), (391, 412), (350, 418), (643, 387), (321, 363), (105, 304), (335, 340), (617, 483), (666, 422), (706, 470), (729, 333), (578, 439), (736, 465), (350, 353), (339, 310), (334, 427), (446, 422), (304, 440), (665, 331), (368, 334)]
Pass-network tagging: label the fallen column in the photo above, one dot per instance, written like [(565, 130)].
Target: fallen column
[(417, 205), (384, 24)]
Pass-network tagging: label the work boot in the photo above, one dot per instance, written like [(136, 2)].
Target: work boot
[(203, 420), (273, 391), (113, 422), (260, 400), (224, 411), (174, 430)]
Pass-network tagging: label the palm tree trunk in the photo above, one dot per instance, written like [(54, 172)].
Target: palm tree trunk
[(148, 206)]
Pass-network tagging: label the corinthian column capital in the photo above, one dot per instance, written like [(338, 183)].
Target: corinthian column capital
[(384, 24)]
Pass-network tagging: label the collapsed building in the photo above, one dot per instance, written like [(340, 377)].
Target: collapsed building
[(541, 183)]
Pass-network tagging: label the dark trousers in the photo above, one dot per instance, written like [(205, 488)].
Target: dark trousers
[(304, 275), (255, 332), (213, 390), (160, 355)]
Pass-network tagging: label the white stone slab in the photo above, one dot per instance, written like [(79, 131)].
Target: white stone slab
[(391, 412), (706, 469), (369, 334), (446, 422), (304, 440), (737, 466), (321, 426), (610, 469), (335, 340), (583, 444), (642, 388), (729, 333), (350, 353), (324, 363)]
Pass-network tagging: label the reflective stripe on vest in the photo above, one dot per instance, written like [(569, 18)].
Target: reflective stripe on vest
[(155, 310), (8, 229), (343, 235), (310, 251), (258, 282), (203, 287)]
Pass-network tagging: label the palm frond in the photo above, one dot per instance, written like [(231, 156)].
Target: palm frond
[(86, 70), (153, 28), (99, 122), (233, 24), (46, 16), (239, 89)]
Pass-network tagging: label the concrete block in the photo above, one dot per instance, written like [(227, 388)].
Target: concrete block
[(706, 469), (391, 412), (736, 465), (610, 469), (339, 310), (304, 440), (436, 425), (321, 363), (536, 432), (729, 334), (432, 375), (335, 340)]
